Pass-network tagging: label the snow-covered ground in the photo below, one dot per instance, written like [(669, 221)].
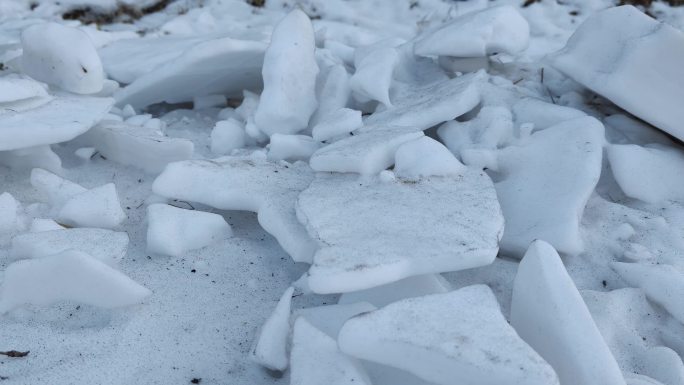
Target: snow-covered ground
[(424, 192)]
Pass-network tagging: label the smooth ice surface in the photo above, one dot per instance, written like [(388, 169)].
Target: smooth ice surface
[(137, 146), (244, 183), (459, 336), (62, 56), (548, 312), (174, 231), (60, 120), (330, 318), (425, 157), (373, 232), (215, 66), (289, 73), (493, 30), (546, 184), (633, 60), (648, 174), (316, 359), (410, 287), (270, 349), (662, 284), (105, 245), (99, 207), (67, 276), (20, 90)]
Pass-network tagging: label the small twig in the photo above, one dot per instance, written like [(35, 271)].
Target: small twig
[(542, 75), (15, 354)]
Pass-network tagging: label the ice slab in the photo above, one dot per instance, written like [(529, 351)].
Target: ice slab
[(410, 287), (425, 157), (330, 318), (174, 231), (548, 312), (631, 59), (270, 349), (67, 276), (98, 207), (456, 337), (546, 183), (246, 183), (372, 232)]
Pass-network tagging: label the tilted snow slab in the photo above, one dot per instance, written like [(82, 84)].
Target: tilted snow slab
[(60, 120), (476, 34), (174, 231), (105, 245), (316, 360), (548, 312), (98, 207), (547, 181), (372, 232), (270, 349), (68, 276), (456, 337), (633, 60), (246, 183), (415, 286), (219, 66), (137, 146), (330, 318)]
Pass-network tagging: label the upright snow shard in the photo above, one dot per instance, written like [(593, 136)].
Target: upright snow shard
[(633, 60), (548, 312), (62, 56), (290, 70)]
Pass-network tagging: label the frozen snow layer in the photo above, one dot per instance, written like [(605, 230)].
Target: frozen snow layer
[(217, 66), (98, 207), (105, 245), (424, 106), (546, 183), (60, 120), (330, 318), (174, 231), (369, 152), (372, 232), (648, 174), (292, 147), (316, 360), (425, 157), (270, 349), (548, 312), (246, 183), (633, 60), (415, 286), (142, 147), (67, 276), (663, 284), (337, 123), (456, 337), (477, 34), (289, 73), (373, 75), (19, 92), (62, 56)]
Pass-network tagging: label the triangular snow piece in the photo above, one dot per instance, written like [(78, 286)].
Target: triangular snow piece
[(270, 349), (98, 207)]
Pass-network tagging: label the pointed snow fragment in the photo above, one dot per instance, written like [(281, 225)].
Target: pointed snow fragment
[(98, 207), (270, 349)]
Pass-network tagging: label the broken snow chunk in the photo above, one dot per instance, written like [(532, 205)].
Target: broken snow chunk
[(21, 93), (227, 135), (548, 312), (633, 60), (316, 360), (366, 153), (366, 241), (492, 128), (373, 75), (493, 30), (410, 287), (338, 123), (648, 174), (246, 183), (62, 56), (425, 157), (542, 115), (333, 92), (456, 337), (270, 349), (330, 318), (547, 181), (60, 120), (292, 147), (25, 159), (174, 231), (55, 189), (9, 216), (289, 72), (662, 284), (141, 147), (67, 276), (98, 207), (104, 245)]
